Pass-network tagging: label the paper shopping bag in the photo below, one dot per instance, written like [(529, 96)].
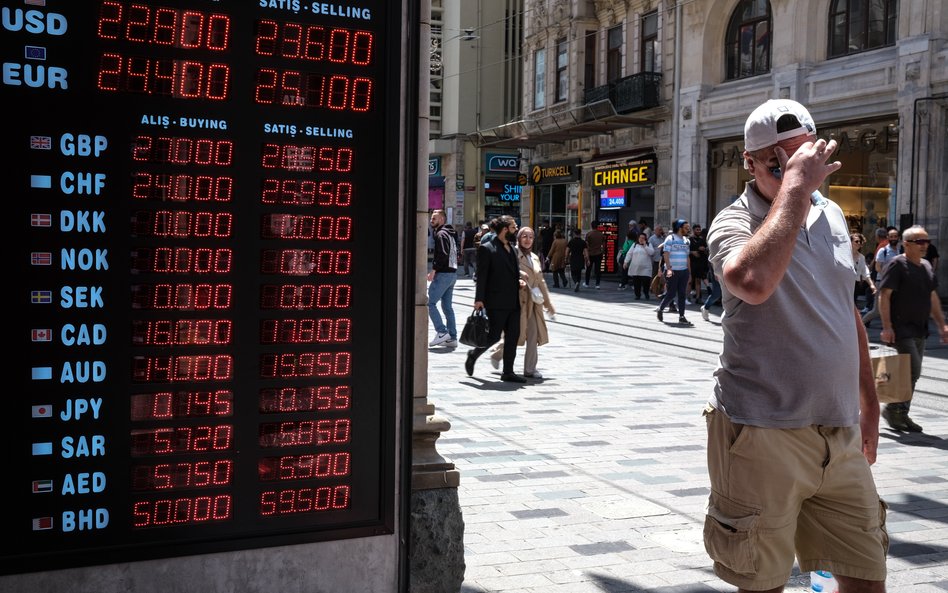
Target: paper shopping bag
[(893, 373)]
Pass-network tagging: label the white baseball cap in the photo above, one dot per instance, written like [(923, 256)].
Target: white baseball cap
[(776, 120)]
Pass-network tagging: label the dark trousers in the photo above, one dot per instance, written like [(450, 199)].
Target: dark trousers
[(506, 322), (559, 275), (576, 271), (595, 265), (641, 284), (675, 286)]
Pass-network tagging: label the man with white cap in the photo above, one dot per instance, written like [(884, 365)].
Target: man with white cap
[(793, 425)]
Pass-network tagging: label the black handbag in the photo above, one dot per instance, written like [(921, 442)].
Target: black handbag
[(476, 332)]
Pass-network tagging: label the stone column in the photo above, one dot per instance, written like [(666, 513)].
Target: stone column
[(436, 545)]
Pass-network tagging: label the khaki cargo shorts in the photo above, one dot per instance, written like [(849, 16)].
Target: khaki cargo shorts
[(780, 493)]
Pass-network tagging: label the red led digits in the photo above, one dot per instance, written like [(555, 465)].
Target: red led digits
[(183, 475), (305, 296), (296, 262), (181, 224), (181, 188), (182, 332), (303, 467), (304, 500), (181, 511), (181, 260), (306, 158), (298, 192), (305, 433), (153, 25), (289, 88), (297, 41), (181, 79), (288, 365), (182, 151), (166, 405), (305, 331), (182, 439), (182, 297), (305, 399), (299, 226), (172, 369)]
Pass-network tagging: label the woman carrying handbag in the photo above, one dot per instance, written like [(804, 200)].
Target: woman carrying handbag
[(534, 297)]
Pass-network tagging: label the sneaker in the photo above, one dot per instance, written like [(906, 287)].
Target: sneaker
[(452, 343), (597, 287), (688, 302), (512, 378), (494, 362), (533, 375), (683, 321), (585, 285), (660, 316), (704, 314), (896, 418), (439, 339), (910, 425), (672, 308)]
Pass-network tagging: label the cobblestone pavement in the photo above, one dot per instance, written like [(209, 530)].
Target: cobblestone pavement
[(593, 479)]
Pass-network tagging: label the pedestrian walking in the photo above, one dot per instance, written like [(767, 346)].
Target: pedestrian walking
[(498, 291), (908, 297), (793, 424), (443, 276), (676, 250), (534, 298)]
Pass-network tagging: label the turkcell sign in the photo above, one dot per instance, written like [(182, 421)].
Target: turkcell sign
[(503, 163), (628, 174)]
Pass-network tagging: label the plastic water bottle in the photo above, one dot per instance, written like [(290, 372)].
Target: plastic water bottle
[(823, 581)]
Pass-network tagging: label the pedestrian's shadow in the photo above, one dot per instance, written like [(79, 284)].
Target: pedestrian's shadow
[(915, 439), (441, 350), (491, 384)]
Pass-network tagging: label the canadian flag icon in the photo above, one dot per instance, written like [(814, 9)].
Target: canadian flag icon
[(42, 335)]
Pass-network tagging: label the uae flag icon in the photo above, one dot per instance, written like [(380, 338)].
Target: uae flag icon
[(41, 486), (42, 523)]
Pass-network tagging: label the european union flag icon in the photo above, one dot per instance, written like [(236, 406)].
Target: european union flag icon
[(34, 52)]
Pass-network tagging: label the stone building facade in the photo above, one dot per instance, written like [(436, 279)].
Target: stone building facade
[(636, 107)]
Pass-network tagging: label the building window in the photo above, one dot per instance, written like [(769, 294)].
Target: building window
[(614, 54), (650, 42), (562, 70), (539, 79), (859, 25), (589, 67), (748, 40)]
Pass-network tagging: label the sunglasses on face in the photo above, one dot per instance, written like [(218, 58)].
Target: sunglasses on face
[(857, 240)]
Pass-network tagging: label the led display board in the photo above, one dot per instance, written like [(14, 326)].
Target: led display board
[(198, 308)]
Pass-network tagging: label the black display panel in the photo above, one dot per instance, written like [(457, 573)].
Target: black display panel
[(209, 188)]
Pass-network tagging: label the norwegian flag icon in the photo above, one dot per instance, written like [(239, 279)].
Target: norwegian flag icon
[(41, 143), (41, 220), (41, 258), (42, 335)]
